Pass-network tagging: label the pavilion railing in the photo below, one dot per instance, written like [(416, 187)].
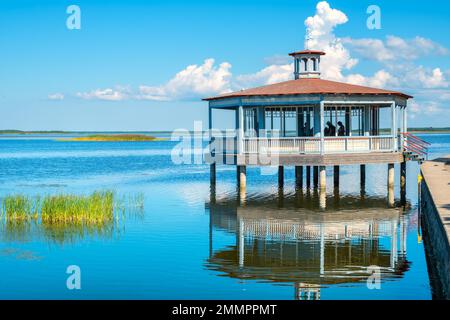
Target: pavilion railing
[(305, 145), (315, 145)]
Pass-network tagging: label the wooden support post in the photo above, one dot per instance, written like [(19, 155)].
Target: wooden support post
[(390, 184), (299, 177), (403, 182), (280, 177), (323, 178), (316, 176), (212, 186), (336, 177), (308, 176), (242, 184), (242, 177), (212, 174), (390, 175), (362, 174)]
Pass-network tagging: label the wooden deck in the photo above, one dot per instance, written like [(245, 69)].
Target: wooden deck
[(313, 159)]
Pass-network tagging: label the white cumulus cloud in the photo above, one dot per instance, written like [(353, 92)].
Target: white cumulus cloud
[(269, 75), (193, 82), (320, 36), (395, 48), (117, 94)]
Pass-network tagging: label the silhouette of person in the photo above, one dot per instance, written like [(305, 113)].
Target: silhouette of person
[(341, 129), (331, 129)]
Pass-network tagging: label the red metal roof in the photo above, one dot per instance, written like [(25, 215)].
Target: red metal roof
[(307, 52), (309, 86)]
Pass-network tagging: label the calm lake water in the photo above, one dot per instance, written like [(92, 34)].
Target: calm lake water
[(185, 243)]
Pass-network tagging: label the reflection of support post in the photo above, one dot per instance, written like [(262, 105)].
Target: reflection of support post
[(308, 177), (299, 196), (316, 176), (212, 194), (403, 182), (241, 243), (391, 197), (337, 198), (299, 177), (336, 177), (322, 199), (403, 235), (212, 174), (323, 178), (210, 234), (280, 177), (390, 184), (322, 251), (242, 197), (394, 244)]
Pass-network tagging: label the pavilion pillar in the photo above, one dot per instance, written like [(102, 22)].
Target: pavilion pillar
[(336, 177), (280, 177), (322, 126), (323, 178), (212, 167), (308, 176), (240, 129), (394, 126), (316, 176), (390, 184), (366, 120), (404, 139), (300, 123), (299, 177), (347, 121)]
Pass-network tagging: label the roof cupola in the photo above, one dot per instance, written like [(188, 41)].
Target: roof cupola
[(307, 63)]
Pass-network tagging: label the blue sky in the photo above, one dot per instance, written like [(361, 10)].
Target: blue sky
[(118, 72)]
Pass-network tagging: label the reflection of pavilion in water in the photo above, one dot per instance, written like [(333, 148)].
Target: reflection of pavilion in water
[(309, 248)]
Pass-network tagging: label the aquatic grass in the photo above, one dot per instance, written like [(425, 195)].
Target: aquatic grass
[(92, 209), (115, 138), (95, 208), (19, 208), (65, 218)]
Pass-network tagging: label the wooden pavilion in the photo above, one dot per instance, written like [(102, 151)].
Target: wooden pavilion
[(311, 122)]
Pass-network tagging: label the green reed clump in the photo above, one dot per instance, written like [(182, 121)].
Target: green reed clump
[(96, 208), (19, 208)]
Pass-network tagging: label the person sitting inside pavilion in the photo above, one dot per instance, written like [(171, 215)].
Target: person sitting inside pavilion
[(341, 129), (331, 130)]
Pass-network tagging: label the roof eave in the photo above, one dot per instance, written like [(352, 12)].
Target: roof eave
[(402, 95)]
